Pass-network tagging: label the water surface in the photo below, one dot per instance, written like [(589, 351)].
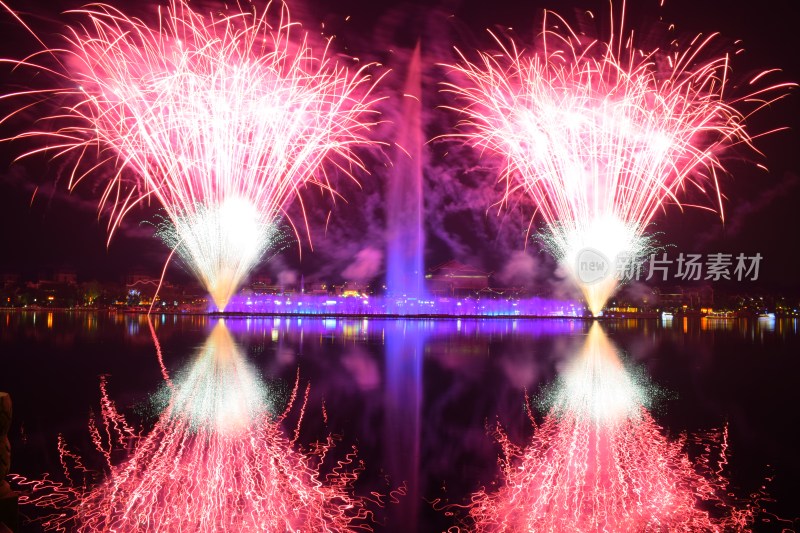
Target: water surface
[(417, 398)]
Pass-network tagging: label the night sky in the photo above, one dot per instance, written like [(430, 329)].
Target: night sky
[(54, 229)]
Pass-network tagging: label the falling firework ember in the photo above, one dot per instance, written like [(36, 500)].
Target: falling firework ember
[(599, 462), (602, 136), (215, 461), (222, 120)]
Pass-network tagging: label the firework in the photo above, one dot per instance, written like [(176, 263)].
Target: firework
[(599, 462), (216, 460), (600, 136), (222, 119)]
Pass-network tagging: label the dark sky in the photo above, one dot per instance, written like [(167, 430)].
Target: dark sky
[(57, 229)]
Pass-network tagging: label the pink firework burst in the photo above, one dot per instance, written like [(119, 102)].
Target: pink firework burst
[(599, 462), (216, 460), (222, 119), (600, 136)]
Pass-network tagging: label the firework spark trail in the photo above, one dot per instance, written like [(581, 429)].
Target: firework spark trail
[(601, 136), (599, 462), (222, 119), (215, 461)]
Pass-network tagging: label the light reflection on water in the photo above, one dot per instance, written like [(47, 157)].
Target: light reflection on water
[(83, 322), (415, 396)]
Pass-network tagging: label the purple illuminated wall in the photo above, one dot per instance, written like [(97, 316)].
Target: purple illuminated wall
[(304, 304)]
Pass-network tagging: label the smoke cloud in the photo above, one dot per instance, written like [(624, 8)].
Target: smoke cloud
[(520, 270), (366, 266)]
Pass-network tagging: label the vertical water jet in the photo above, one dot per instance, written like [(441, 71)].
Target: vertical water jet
[(405, 270)]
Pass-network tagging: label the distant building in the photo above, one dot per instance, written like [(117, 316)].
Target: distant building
[(9, 280), (317, 288), (66, 277), (140, 278), (260, 279), (262, 284), (691, 297), (142, 284), (353, 288), (456, 279)]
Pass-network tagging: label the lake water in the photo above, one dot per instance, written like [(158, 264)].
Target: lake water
[(418, 399)]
